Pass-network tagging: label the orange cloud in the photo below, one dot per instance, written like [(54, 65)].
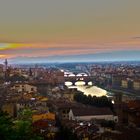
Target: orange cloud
[(3, 56), (51, 49)]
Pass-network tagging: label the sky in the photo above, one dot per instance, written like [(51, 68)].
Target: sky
[(69, 28)]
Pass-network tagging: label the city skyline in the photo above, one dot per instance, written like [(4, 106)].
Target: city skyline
[(55, 29)]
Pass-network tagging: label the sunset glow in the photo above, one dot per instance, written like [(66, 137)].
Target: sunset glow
[(63, 28)]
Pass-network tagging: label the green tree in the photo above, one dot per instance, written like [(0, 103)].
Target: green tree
[(25, 114), (102, 101), (5, 126), (16, 130), (23, 131)]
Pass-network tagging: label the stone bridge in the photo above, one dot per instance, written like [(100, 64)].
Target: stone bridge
[(73, 79)]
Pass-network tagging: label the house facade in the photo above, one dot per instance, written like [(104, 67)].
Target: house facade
[(24, 88), (93, 113)]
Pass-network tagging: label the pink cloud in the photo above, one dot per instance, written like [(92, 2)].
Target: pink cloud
[(45, 49)]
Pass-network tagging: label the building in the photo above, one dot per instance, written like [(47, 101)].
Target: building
[(124, 83), (43, 116), (121, 134), (81, 130), (133, 113), (60, 77), (10, 108), (24, 88), (1, 74), (69, 94), (92, 113), (116, 81), (136, 85)]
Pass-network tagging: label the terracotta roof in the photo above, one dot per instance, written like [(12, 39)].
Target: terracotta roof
[(89, 111)]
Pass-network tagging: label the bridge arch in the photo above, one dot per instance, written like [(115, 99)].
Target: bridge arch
[(69, 74), (90, 83), (81, 74), (68, 83), (74, 78), (80, 83)]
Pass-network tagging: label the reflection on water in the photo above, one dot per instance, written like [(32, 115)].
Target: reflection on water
[(88, 90)]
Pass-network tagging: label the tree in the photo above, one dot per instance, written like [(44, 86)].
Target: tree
[(25, 114), (102, 101), (5, 126), (16, 130), (23, 131)]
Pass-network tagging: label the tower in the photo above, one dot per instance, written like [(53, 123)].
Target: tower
[(6, 64), (30, 72), (118, 106), (6, 69)]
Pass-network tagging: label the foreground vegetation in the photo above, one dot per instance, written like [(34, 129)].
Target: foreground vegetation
[(20, 129)]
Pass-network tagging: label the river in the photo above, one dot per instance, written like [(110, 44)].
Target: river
[(89, 90)]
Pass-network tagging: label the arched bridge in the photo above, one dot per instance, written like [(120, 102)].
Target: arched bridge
[(73, 78)]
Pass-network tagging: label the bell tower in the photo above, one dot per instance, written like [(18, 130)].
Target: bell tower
[(6, 64), (6, 69)]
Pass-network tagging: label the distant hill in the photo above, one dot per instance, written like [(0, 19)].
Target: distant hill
[(133, 55)]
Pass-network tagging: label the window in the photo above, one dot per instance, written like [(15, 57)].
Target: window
[(32, 89)]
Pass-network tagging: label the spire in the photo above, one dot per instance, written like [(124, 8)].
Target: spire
[(6, 64)]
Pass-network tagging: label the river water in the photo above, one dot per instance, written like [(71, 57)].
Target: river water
[(89, 90)]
